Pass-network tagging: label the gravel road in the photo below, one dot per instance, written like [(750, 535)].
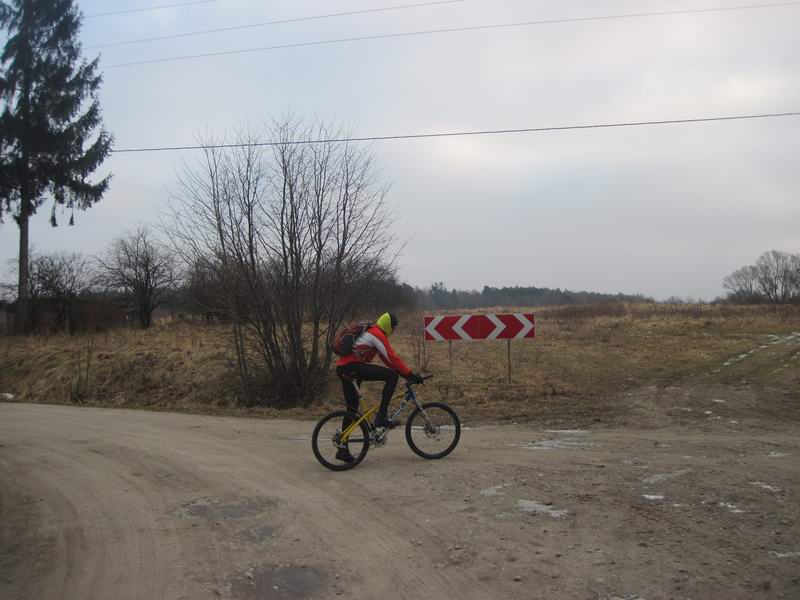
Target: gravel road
[(119, 504)]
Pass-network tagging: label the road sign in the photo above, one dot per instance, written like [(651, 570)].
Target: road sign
[(479, 327)]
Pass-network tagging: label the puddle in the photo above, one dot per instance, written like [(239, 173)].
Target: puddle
[(256, 534), (214, 508), (530, 506), (277, 583)]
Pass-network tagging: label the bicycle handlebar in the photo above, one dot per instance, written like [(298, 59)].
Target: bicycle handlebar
[(422, 380)]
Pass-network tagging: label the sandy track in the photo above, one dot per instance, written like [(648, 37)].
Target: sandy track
[(129, 504)]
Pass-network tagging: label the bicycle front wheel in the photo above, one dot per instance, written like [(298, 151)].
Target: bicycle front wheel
[(329, 447), (433, 430)]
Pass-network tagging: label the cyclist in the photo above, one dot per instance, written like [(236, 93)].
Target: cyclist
[(356, 367)]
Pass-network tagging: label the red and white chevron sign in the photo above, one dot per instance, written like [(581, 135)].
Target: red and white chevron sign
[(479, 327)]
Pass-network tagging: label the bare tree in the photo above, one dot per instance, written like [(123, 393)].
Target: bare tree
[(142, 270), (55, 281), (777, 276), (300, 234), (743, 285), (61, 278)]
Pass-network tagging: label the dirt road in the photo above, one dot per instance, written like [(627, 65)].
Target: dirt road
[(117, 504)]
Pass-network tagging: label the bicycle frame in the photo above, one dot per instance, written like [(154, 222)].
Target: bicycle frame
[(410, 396)]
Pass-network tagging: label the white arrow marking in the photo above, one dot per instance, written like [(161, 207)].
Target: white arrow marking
[(527, 325), (499, 327), (431, 329), (458, 327)]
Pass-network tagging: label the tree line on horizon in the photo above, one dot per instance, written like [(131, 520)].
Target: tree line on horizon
[(438, 296)]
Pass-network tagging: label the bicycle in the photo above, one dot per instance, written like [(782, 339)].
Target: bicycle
[(432, 423)]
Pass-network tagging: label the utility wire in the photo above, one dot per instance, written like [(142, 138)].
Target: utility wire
[(147, 9), (416, 136), (456, 29), (269, 23), (452, 30)]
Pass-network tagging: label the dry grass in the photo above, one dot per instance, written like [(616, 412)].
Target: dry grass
[(583, 357)]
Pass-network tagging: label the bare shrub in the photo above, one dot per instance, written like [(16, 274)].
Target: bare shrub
[(298, 233)]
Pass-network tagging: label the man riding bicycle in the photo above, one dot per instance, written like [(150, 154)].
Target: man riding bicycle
[(356, 367)]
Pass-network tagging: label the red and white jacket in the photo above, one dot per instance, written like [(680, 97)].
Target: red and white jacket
[(374, 341)]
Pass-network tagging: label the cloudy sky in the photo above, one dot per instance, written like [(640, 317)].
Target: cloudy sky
[(659, 210)]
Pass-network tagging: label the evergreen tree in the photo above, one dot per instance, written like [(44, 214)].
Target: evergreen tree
[(48, 145)]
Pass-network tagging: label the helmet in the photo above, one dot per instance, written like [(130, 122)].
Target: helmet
[(387, 322)]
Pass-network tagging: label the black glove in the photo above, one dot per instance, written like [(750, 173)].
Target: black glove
[(414, 378)]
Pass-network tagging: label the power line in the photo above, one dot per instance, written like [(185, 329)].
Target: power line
[(453, 30), (147, 9), (461, 133), (278, 22)]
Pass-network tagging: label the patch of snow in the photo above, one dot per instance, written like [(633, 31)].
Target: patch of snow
[(659, 477), (7, 396), (776, 454), (731, 507), (530, 506), (718, 401), (766, 486), (494, 490), (652, 497), (567, 431), (555, 444), (784, 554)]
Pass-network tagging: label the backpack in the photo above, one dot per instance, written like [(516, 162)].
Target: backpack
[(345, 340)]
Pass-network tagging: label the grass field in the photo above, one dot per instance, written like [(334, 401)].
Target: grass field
[(583, 364)]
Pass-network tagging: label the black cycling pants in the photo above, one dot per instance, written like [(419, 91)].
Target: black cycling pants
[(366, 372)]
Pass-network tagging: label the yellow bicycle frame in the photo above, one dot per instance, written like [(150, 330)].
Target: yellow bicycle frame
[(365, 415), (353, 426)]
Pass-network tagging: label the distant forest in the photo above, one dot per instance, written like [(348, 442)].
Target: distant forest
[(438, 296)]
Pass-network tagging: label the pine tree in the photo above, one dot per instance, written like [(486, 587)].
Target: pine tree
[(48, 145)]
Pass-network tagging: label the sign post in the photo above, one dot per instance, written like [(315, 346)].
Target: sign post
[(507, 327), (509, 360)]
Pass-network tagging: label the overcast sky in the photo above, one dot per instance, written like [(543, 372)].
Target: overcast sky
[(663, 210)]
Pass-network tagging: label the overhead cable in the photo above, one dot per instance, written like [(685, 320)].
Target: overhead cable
[(453, 30), (277, 22), (413, 136), (148, 8)]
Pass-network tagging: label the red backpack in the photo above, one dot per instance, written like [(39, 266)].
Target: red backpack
[(345, 340)]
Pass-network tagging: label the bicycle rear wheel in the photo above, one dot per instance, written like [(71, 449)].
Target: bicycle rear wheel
[(326, 441), (433, 430)]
